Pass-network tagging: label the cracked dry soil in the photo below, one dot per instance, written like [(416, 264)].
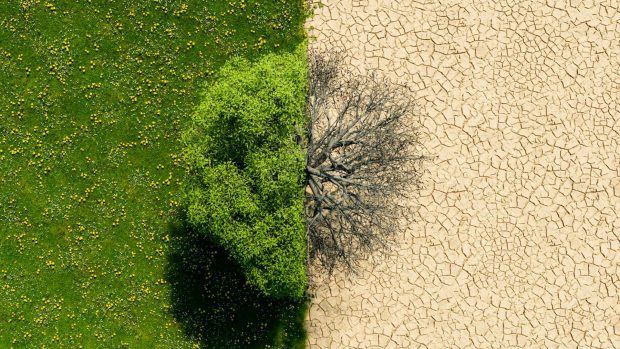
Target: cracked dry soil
[(517, 239)]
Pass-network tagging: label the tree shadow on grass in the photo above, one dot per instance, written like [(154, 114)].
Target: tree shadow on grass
[(211, 300)]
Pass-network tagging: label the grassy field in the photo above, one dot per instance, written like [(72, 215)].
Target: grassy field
[(93, 249)]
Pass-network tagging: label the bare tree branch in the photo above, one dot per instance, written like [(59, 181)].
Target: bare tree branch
[(362, 158)]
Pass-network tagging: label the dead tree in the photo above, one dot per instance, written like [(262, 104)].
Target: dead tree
[(362, 161)]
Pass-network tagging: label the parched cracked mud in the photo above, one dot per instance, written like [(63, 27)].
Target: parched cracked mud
[(517, 241)]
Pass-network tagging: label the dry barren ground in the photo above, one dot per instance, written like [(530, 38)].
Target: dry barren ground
[(517, 242)]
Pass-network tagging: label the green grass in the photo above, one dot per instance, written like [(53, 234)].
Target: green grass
[(93, 95)]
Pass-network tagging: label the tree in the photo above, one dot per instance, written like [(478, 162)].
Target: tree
[(361, 160), (246, 173)]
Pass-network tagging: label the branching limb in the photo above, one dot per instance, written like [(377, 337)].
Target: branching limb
[(362, 157)]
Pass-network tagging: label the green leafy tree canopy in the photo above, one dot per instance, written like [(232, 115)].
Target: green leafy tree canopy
[(247, 169)]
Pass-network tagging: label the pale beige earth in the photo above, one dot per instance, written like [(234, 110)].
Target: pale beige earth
[(517, 241)]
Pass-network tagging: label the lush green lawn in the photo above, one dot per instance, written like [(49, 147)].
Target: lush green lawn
[(93, 95)]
